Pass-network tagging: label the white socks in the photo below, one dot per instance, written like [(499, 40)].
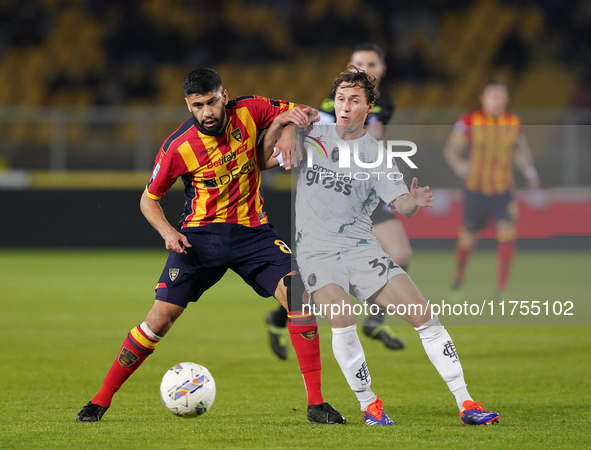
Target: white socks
[(438, 346), (146, 329), (442, 353), (349, 354)]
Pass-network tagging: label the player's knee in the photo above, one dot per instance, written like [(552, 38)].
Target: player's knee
[(162, 316), (295, 291), (467, 239), (506, 233), (405, 255)]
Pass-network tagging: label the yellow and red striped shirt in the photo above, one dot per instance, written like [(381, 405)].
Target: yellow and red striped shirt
[(220, 173), (491, 141)]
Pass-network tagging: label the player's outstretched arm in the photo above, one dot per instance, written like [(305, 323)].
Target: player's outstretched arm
[(525, 162), (152, 211), (409, 204), (266, 147), (299, 116)]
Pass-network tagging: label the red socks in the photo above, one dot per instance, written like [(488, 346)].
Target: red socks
[(136, 347), (462, 256), (303, 331), (505, 253)]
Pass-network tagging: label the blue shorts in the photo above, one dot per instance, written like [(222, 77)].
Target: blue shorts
[(257, 254), (479, 207)]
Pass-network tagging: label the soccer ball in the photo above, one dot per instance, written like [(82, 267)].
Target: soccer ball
[(187, 389)]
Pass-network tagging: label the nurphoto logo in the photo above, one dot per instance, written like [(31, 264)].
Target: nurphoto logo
[(359, 157)]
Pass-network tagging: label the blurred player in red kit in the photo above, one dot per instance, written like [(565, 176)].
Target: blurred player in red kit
[(494, 138)]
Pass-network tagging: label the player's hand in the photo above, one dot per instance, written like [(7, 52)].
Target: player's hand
[(298, 116), (176, 242), (533, 182), (462, 169), (289, 146), (422, 196)]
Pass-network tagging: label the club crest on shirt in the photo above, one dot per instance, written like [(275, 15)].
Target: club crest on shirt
[(127, 357), (173, 273), (237, 134), (334, 155), (312, 279)]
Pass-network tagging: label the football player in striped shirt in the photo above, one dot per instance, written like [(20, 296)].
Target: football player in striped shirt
[(494, 139), (223, 227)]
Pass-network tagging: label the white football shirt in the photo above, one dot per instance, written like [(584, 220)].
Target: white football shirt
[(333, 202)]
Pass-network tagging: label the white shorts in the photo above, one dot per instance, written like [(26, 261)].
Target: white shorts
[(360, 270)]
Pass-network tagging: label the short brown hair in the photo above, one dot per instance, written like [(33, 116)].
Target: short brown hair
[(353, 77)]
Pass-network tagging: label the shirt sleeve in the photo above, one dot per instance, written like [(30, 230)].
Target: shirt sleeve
[(461, 131), (391, 184), (168, 167), (264, 110)]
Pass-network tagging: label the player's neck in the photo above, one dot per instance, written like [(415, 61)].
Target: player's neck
[(494, 116), (349, 132)]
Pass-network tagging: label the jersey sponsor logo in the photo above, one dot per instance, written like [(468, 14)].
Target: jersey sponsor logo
[(237, 134), (207, 150), (363, 374), (310, 335), (329, 179), (227, 157), (173, 273), (450, 351), (210, 183), (317, 144), (224, 179), (223, 160), (127, 357), (312, 279)]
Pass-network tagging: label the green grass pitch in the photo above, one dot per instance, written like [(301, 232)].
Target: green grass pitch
[(64, 314)]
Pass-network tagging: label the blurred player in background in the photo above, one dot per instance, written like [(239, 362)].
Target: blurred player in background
[(223, 227), (388, 230), (494, 139), (337, 253)]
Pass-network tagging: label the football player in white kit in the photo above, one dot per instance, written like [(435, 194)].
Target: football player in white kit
[(337, 253)]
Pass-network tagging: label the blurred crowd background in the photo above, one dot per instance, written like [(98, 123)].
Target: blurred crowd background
[(97, 84)]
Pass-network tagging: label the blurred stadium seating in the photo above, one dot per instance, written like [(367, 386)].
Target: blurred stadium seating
[(96, 84)]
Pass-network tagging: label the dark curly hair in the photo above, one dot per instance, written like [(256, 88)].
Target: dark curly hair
[(353, 77), (201, 81)]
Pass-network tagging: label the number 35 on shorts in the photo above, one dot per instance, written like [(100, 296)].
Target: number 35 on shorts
[(282, 246)]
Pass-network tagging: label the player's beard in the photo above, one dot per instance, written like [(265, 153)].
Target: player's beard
[(221, 121)]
